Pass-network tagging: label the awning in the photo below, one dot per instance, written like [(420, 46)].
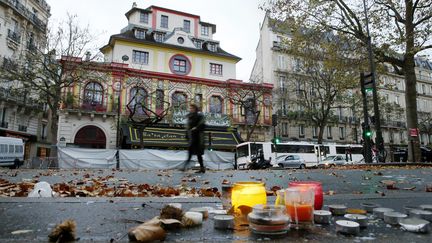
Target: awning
[(26, 137), (164, 136)]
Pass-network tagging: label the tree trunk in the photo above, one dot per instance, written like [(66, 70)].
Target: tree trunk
[(53, 134), (321, 133)]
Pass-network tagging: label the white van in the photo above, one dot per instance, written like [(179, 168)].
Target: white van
[(11, 152)]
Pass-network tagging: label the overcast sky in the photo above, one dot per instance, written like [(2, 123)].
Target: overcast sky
[(237, 21)]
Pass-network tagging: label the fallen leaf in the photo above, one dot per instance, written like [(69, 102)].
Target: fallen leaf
[(225, 182), (63, 232), (409, 188), (17, 232), (147, 233)]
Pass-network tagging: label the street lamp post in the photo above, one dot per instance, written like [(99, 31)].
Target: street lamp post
[(378, 139), (125, 58)]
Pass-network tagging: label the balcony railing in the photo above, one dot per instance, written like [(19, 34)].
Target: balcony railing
[(20, 98), (88, 106), (4, 124), (21, 9)]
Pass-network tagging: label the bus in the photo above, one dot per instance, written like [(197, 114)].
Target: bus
[(11, 152), (312, 153)]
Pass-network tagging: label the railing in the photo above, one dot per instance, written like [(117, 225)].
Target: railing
[(93, 107), (20, 8), (393, 123), (21, 98), (4, 124)]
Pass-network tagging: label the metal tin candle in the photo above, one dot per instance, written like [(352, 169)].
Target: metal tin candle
[(337, 209), (415, 225), (317, 187), (223, 222), (394, 218), (369, 206), (322, 216), (347, 227), (245, 195), (423, 214), (379, 212), (360, 219)]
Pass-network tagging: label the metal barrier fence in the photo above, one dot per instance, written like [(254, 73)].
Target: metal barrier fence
[(41, 163)]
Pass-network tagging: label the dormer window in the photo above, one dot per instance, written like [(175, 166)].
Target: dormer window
[(212, 47), (164, 21), (186, 26), (198, 43), (159, 37), (204, 30), (140, 34), (144, 17)]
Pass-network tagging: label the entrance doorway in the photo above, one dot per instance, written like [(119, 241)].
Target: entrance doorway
[(90, 137)]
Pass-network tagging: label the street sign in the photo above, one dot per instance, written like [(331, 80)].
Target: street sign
[(413, 132)]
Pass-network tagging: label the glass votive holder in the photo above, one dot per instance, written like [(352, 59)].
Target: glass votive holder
[(226, 196), (317, 186), (299, 202), (245, 195), (280, 197), (268, 220)]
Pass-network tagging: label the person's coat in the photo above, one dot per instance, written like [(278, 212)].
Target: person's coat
[(195, 133)]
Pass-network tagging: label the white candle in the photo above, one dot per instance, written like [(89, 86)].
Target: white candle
[(322, 216), (223, 222), (415, 225), (360, 219), (379, 212), (427, 207), (347, 227), (176, 205), (393, 217), (203, 211), (337, 209), (423, 214), (409, 208), (196, 217), (369, 206)]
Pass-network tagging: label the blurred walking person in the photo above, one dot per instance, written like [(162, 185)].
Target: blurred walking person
[(195, 135)]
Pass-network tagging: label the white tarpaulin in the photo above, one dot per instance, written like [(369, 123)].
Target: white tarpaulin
[(86, 158), (140, 159), (173, 159)]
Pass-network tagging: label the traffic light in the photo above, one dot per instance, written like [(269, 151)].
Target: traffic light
[(276, 140), (367, 82), (368, 133)]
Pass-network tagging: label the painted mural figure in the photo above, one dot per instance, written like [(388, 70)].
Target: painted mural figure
[(195, 135)]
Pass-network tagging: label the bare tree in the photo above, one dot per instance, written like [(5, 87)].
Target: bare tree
[(48, 68), (399, 29)]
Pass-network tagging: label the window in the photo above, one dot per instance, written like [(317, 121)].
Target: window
[(204, 30), (281, 61), (144, 17), (180, 40), (44, 132), (215, 69), (93, 93), (11, 149), (315, 132), (138, 100), (215, 104), (179, 64), (179, 101), (140, 34), (159, 37), (341, 132), (198, 99), (198, 43), (285, 129), (329, 132), (212, 47), (159, 99), (282, 83), (164, 21), (186, 26), (140, 57), (301, 131)]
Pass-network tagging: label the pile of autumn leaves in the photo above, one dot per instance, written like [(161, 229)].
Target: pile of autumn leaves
[(107, 186)]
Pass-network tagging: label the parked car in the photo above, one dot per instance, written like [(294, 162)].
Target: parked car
[(290, 161), (332, 160), (401, 154)]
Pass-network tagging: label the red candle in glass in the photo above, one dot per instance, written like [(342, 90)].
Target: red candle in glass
[(317, 189)]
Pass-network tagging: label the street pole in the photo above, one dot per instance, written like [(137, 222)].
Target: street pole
[(378, 138), (366, 140), (125, 58)]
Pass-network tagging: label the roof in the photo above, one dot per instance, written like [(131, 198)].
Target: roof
[(129, 36)]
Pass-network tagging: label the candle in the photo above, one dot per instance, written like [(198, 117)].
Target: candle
[(423, 214), (223, 222), (268, 220), (427, 207), (226, 196), (197, 218), (415, 225), (356, 211), (337, 209), (322, 216), (393, 218), (409, 208), (175, 205), (247, 194), (202, 210), (379, 212), (347, 227), (316, 186), (369, 206), (300, 212), (360, 219)]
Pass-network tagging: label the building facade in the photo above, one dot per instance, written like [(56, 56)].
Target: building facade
[(276, 66), (161, 61), (23, 28)]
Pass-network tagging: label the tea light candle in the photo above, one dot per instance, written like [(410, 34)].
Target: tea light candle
[(379, 212), (223, 222), (337, 209), (427, 207), (196, 217), (356, 211), (423, 214), (369, 206), (409, 208), (347, 227), (203, 211), (360, 219), (322, 216), (176, 205), (393, 218), (415, 225)]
